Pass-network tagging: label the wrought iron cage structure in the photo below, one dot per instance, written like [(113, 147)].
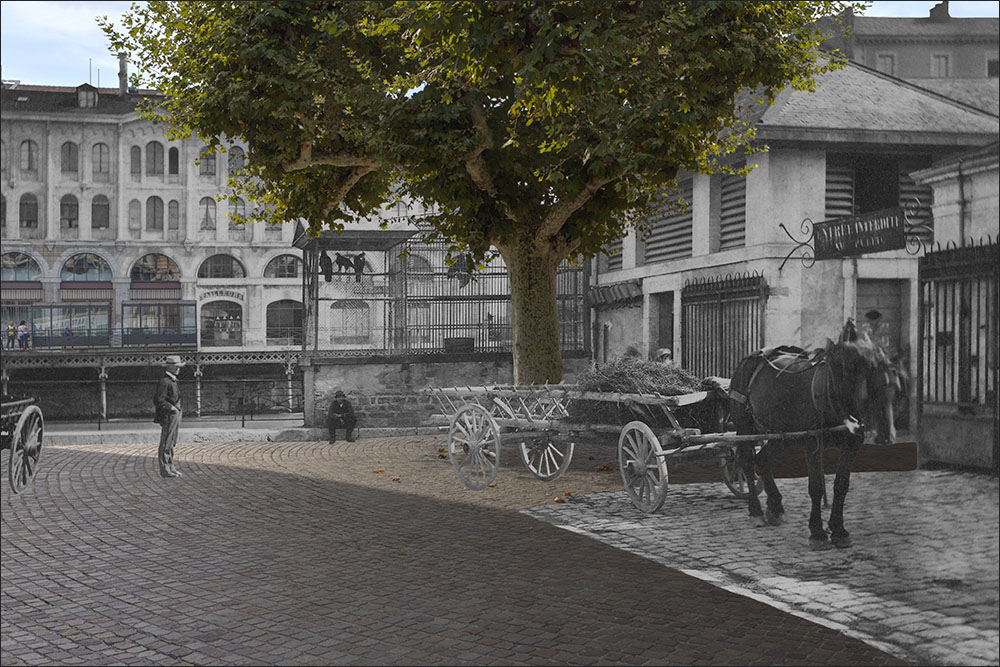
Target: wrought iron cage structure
[(396, 292)]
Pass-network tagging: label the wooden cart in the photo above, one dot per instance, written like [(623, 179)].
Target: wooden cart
[(21, 430), (541, 419)]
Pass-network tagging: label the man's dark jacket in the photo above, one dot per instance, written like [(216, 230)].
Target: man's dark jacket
[(341, 413), (167, 394)]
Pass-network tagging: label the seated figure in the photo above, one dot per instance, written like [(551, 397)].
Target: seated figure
[(341, 415)]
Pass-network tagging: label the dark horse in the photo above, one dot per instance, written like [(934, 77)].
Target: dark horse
[(850, 383)]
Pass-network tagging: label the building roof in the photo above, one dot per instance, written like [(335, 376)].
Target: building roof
[(62, 99), (884, 26), (863, 102), (980, 93), (353, 239)]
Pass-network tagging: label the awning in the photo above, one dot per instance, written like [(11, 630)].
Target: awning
[(353, 240), (21, 290), (620, 293)]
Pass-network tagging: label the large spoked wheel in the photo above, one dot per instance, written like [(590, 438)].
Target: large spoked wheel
[(643, 466), (474, 446), (547, 460), (732, 475), (25, 448)]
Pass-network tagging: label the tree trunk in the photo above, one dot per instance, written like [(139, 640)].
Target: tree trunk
[(534, 316)]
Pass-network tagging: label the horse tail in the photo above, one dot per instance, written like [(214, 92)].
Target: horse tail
[(739, 394)]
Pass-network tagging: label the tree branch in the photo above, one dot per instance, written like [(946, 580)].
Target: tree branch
[(306, 159), (476, 166), (560, 213), (356, 174)]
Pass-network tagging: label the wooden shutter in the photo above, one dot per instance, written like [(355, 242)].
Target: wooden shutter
[(671, 234), (615, 260), (732, 211), (839, 187)]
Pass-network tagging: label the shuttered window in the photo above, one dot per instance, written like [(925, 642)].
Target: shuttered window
[(916, 199), (670, 237), (614, 260), (732, 211), (839, 187)]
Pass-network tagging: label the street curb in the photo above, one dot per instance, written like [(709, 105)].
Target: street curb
[(152, 436)]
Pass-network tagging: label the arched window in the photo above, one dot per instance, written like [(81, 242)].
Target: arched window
[(69, 212), (155, 268), (100, 212), (237, 159), (350, 322), (221, 324), (237, 210), (206, 162), (173, 161), (206, 210), (173, 215), (154, 214), (101, 162), (29, 156), (135, 215), (284, 323), (86, 266), (28, 213), (221, 266), (70, 158), (135, 162), (154, 158), (283, 266), (18, 266)]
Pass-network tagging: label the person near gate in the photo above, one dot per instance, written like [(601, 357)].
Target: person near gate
[(168, 414), (22, 335), (341, 415), (11, 335)]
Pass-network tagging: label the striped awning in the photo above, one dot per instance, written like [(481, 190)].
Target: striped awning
[(158, 290), (86, 290), (21, 290)]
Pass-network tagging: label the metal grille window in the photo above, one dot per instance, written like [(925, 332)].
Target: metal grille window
[(159, 324), (959, 311), (70, 158), (722, 321), (154, 158), (69, 212), (222, 266), (350, 322), (221, 324), (76, 325), (671, 237), (283, 266), (29, 211), (732, 211), (101, 163), (284, 323)]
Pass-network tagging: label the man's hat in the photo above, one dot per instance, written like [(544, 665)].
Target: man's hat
[(339, 394), (173, 360)]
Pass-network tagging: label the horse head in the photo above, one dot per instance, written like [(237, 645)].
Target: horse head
[(868, 383)]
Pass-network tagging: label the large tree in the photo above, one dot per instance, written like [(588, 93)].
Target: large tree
[(544, 130)]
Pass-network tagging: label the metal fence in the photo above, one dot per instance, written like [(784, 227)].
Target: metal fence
[(722, 321), (958, 326)]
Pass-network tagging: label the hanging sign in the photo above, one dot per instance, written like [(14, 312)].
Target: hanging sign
[(860, 234)]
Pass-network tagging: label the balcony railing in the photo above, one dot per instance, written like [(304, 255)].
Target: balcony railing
[(133, 336)]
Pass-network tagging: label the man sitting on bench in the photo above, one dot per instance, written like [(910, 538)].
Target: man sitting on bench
[(341, 415)]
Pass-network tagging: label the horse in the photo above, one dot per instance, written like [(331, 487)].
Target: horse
[(789, 390)]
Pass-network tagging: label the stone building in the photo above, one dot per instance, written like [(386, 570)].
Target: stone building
[(734, 272)]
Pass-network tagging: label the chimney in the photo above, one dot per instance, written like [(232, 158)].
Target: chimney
[(122, 74), (939, 12)]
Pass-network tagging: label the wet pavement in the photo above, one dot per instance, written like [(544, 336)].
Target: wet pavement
[(373, 553)]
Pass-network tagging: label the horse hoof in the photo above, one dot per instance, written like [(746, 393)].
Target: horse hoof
[(819, 544), (841, 541), (774, 518), (758, 521)]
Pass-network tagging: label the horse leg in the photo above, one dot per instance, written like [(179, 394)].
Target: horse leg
[(842, 482), (818, 538), (745, 459), (775, 509)]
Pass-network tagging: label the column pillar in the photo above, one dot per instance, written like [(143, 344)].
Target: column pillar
[(197, 390)]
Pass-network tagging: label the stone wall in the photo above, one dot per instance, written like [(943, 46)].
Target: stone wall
[(391, 392)]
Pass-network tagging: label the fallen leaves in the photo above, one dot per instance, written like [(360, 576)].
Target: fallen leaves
[(442, 456), (395, 479), (606, 467), (440, 450), (377, 472), (558, 499), (567, 493), (493, 485)]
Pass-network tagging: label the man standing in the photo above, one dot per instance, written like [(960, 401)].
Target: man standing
[(341, 415), (11, 335), (168, 415), (22, 335)]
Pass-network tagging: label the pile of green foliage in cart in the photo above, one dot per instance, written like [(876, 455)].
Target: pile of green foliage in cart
[(633, 375)]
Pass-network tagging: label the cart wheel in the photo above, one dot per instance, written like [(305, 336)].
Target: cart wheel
[(643, 467), (474, 446), (732, 475), (25, 448), (547, 460)]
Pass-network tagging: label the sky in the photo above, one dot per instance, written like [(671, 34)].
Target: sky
[(59, 43)]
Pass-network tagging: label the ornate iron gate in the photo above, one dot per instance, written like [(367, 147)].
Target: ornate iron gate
[(722, 321)]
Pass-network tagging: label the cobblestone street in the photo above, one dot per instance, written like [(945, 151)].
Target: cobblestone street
[(265, 554)]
